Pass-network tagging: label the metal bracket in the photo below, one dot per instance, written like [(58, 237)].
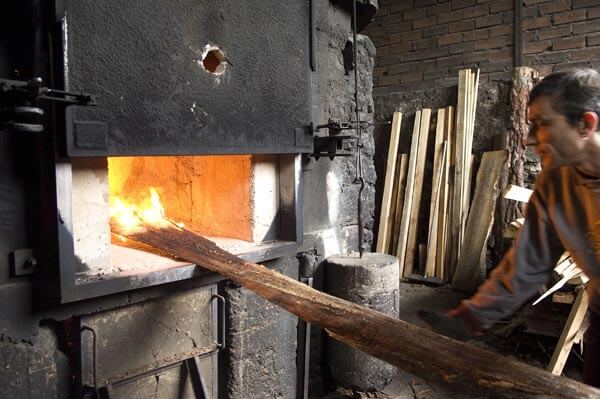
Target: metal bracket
[(302, 136), (22, 262), (335, 127), (32, 91), (19, 99), (332, 145)]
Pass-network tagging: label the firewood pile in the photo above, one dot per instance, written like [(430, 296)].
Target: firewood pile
[(456, 239)]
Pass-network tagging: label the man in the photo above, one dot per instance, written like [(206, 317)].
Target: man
[(563, 214)]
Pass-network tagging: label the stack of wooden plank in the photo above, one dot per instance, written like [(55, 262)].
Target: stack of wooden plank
[(402, 204)]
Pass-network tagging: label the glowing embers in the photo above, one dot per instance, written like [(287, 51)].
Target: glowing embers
[(213, 60)]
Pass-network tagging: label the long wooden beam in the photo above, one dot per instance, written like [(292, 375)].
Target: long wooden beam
[(439, 152), (408, 194), (420, 155), (459, 163), (387, 203), (414, 349), (400, 188)]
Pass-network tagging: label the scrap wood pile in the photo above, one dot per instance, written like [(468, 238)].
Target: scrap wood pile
[(455, 249)]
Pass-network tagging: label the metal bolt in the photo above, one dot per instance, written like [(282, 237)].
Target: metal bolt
[(30, 263)]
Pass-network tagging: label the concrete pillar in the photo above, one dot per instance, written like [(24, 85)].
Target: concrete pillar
[(371, 281)]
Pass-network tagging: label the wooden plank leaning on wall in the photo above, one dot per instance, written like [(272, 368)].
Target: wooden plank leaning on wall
[(388, 203)]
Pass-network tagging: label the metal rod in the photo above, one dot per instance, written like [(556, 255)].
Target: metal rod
[(303, 370), (359, 172), (158, 370)]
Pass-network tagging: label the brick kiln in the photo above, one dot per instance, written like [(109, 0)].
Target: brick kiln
[(210, 105)]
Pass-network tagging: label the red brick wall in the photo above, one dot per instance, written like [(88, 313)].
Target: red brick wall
[(421, 43)]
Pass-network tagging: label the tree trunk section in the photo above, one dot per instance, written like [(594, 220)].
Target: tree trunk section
[(524, 78)]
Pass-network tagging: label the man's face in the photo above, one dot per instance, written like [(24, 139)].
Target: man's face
[(556, 141)]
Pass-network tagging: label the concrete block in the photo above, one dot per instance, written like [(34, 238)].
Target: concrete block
[(370, 281)]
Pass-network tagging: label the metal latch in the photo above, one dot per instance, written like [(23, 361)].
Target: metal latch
[(333, 145), (22, 262)]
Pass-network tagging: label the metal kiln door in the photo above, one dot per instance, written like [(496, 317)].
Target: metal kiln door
[(163, 348), (187, 77)]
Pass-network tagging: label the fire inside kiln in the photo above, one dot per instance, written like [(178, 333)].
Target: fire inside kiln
[(232, 199)]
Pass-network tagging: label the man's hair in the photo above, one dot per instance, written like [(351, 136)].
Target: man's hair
[(571, 91)]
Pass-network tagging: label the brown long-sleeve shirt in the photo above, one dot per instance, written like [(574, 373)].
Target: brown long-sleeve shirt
[(563, 214)]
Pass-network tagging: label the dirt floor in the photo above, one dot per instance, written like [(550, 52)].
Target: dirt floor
[(509, 338)]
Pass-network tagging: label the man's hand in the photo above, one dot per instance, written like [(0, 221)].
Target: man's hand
[(451, 326)]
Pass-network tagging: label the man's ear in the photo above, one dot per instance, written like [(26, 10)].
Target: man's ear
[(589, 121)]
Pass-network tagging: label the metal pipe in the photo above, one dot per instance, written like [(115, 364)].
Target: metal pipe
[(303, 371)]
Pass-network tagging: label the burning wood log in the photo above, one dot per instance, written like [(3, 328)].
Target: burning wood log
[(411, 348)]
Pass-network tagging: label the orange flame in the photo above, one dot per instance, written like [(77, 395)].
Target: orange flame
[(130, 217)]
